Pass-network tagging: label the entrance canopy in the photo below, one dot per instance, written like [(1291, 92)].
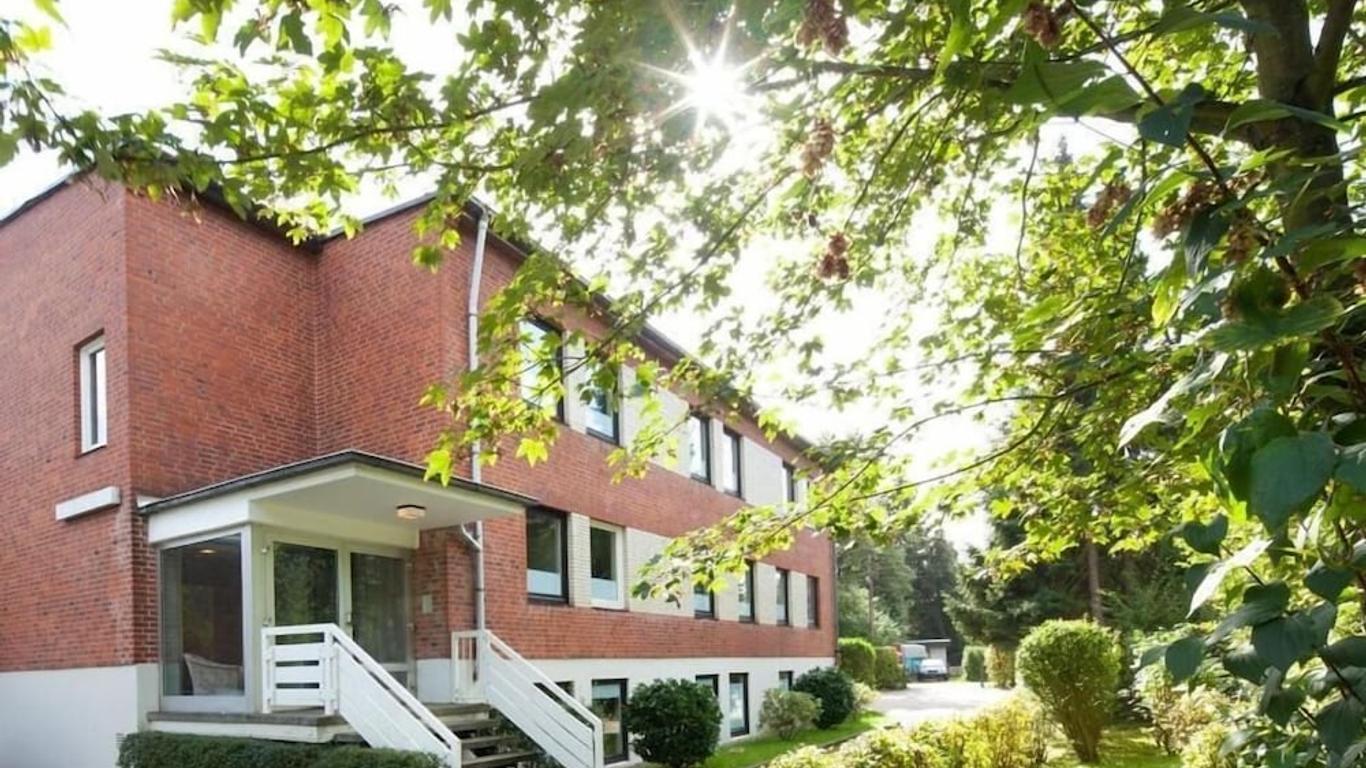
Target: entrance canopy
[(349, 494)]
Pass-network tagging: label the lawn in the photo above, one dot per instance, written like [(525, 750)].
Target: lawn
[(1122, 747), (764, 748)]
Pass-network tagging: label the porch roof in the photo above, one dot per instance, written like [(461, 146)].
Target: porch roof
[(348, 492)]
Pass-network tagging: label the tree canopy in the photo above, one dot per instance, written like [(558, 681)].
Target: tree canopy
[(1170, 338)]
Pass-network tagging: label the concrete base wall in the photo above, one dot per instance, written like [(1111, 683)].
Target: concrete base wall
[(71, 718)]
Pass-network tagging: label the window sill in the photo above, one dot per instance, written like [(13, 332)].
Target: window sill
[(733, 494), (705, 616), (703, 479), (548, 600), (615, 607), (606, 438), (86, 451), (746, 619)]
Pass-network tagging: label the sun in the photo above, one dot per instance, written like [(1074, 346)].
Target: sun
[(714, 89)]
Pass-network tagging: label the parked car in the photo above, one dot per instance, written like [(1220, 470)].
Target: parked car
[(932, 669)]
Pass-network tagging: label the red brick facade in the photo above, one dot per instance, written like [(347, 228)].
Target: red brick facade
[(231, 351)]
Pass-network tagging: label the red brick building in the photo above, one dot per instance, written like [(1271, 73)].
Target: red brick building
[(208, 435)]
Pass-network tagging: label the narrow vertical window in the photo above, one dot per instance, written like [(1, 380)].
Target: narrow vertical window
[(605, 566), (789, 483), (546, 575), (542, 360), (745, 594), (94, 395), (609, 698), (739, 704), (784, 581), (699, 447), (703, 602), (600, 414), (813, 601), (785, 679), (731, 482)]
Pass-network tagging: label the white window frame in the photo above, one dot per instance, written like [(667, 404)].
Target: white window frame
[(618, 563), (94, 382)]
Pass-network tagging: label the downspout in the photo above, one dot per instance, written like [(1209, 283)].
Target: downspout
[(476, 541)]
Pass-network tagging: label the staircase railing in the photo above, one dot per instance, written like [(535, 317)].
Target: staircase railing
[(329, 670), (488, 670)]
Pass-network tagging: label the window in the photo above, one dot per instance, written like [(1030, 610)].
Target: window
[(703, 602), (600, 415), (609, 697), (745, 594), (94, 395), (699, 447), (711, 681), (785, 679), (542, 365), (784, 579), (546, 576), (739, 704), (730, 464), (789, 483), (813, 601), (201, 618), (604, 566)]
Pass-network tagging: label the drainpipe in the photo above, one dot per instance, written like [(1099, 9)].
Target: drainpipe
[(476, 541)]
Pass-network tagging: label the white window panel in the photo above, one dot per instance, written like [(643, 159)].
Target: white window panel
[(94, 395)]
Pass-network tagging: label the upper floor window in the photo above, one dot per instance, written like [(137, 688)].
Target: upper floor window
[(703, 602), (813, 601), (94, 395), (789, 483), (744, 593), (699, 447), (600, 415), (542, 360), (784, 580), (605, 566), (730, 464), (546, 575)]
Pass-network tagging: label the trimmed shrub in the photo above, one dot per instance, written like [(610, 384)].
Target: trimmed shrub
[(1073, 667), (858, 659), (833, 689), (1001, 666), (890, 674), (1176, 715), (889, 748), (785, 713), (1013, 734), (864, 696), (177, 750), (806, 757), (1206, 749), (673, 722), (975, 664)]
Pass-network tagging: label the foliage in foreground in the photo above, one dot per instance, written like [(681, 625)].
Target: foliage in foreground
[(747, 753), (174, 750), (833, 689), (786, 713), (1073, 668), (673, 722)]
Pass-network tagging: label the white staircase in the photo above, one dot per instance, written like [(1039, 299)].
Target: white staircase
[(488, 670), (318, 665)]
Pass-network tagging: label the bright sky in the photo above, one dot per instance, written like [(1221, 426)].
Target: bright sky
[(106, 58)]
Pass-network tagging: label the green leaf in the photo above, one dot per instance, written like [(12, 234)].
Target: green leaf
[(1170, 123), (1105, 97), (1238, 443), (1283, 641), (1183, 657), (49, 9), (292, 31), (1288, 473), (1261, 603), (959, 38), (1347, 652), (1052, 83), (1246, 664), (1278, 702), (1340, 723), (1205, 538), (1352, 467), (1327, 582), (1320, 253), (1259, 110), (1303, 319), (1167, 293)]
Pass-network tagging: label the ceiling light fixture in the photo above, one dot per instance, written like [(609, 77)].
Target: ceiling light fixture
[(410, 511)]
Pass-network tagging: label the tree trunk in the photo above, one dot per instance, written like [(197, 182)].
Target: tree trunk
[(872, 622), (1092, 556)]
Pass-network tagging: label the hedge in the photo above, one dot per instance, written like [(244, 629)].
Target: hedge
[(673, 722), (858, 659), (178, 750), (890, 673)]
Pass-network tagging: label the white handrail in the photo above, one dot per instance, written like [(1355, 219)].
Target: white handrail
[(559, 723), (351, 683)]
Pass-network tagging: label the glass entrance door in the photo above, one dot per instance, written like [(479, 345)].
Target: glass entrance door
[(379, 610), (305, 585)]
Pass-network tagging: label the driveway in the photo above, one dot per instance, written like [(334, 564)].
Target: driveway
[(934, 701)]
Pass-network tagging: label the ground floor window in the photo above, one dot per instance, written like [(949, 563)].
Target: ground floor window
[(739, 704), (201, 618), (609, 697), (785, 679), (711, 681)]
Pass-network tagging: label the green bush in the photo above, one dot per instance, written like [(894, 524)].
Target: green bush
[(889, 748), (673, 722), (1013, 734), (176, 750), (890, 673), (864, 696), (1073, 667), (788, 712), (975, 664), (1177, 714), (833, 689), (1206, 749), (1001, 666), (806, 757), (858, 659)]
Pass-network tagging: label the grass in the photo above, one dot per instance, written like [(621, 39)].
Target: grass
[(761, 749), (1122, 747)]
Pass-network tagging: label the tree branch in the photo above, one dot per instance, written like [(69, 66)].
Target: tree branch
[(1328, 52)]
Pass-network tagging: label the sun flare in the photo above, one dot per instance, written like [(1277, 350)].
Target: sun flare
[(714, 89)]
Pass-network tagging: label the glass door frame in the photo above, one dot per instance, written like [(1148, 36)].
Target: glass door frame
[(250, 643), (344, 549)]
